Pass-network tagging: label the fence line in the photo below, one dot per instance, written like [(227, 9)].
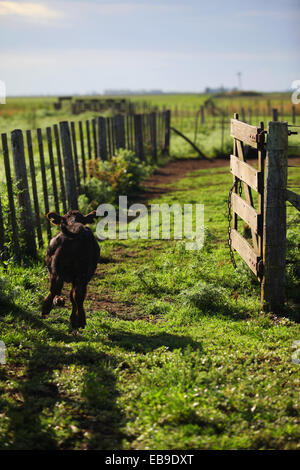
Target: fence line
[(208, 109), (212, 117), (56, 161), (81, 105)]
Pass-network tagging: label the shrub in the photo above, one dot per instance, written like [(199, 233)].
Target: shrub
[(95, 192), (123, 174)]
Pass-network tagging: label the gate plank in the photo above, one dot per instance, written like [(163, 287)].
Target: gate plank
[(245, 211), (245, 250), (245, 172), (244, 132)]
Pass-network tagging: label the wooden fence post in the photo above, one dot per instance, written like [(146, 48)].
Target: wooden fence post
[(34, 190), (75, 154), (167, 116), (274, 114), (139, 145), (274, 236), (109, 136), (294, 114), (127, 132), (102, 145), (132, 137), (95, 138), (196, 126), (52, 168), (153, 136), (88, 136), (69, 166), (44, 179), (12, 209), (120, 131), (113, 135), (26, 218), (2, 238), (261, 154), (60, 168), (82, 150)]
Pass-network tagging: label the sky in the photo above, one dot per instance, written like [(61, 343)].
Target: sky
[(76, 46)]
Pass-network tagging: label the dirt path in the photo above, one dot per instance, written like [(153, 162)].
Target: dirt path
[(177, 169), (174, 171)]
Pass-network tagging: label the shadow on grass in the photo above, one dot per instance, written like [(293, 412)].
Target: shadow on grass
[(145, 343), (45, 413), (72, 415), (49, 408)]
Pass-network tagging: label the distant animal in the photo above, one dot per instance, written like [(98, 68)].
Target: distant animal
[(72, 257)]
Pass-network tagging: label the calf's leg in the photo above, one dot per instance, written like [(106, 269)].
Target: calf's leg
[(56, 285), (78, 294)]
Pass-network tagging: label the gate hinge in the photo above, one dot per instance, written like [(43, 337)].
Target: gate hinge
[(292, 133), (261, 137)]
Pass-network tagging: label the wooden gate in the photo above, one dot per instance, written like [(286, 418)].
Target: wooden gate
[(266, 255), (252, 179)]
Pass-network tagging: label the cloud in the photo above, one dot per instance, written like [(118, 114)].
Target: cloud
[(28, 10)]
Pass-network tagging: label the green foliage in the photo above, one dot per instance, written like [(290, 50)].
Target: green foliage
[(95, 192), (7, 256), (121, 175)]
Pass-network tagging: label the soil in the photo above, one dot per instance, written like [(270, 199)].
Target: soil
[(174, 171)]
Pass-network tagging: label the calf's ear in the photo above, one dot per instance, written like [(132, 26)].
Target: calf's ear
[(89, 219), (54, 218)]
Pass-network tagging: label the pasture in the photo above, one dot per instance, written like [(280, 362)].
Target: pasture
[(31, 113), (177, 353)]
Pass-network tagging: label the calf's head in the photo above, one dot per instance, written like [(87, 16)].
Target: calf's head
[(71, 217), (71, 224)]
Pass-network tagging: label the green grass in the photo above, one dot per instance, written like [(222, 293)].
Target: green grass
[(176, 353), (31, 113)]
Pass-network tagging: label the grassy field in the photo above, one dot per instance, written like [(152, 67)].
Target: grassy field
[(176, 353), (31, 113)]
